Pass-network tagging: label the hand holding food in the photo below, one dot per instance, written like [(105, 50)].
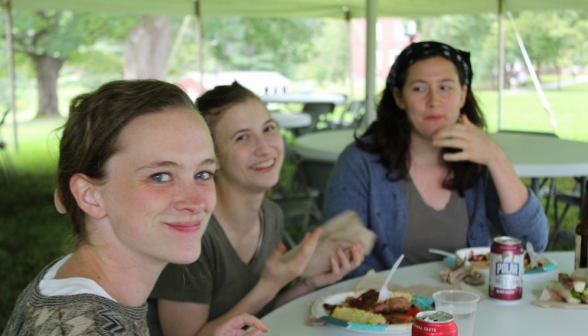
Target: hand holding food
[(277, 273), (476, 146), (339, 267)]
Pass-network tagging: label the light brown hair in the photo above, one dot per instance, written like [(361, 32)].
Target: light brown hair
[(90, 135), (214, 103)]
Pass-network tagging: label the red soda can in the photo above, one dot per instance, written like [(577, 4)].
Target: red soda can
[(507, 258), (434, 323)]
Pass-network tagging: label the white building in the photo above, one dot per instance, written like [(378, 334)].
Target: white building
[(260, 82)]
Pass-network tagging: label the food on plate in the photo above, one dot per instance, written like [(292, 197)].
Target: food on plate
[(357, 315), (571, 289), (528, 262), (366, 308), (480, 261), (462, 272)]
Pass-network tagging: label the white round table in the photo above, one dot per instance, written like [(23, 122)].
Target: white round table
[(304, 98), (492, 318), (531, 155), (292, 120)]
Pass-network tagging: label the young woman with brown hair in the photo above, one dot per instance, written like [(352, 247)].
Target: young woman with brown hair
[(135, 177), (425, 174), (241, 268)]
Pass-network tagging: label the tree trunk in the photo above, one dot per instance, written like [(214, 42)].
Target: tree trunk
[(47, 70), (147, 48)]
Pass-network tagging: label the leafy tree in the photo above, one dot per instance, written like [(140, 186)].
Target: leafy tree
[(546, 36), (578, 52), (549, 37), (50, 38), (331, 58), (465, 32), (147, 47), (233, 43)]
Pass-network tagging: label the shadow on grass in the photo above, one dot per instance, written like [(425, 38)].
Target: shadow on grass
[(32, 234)]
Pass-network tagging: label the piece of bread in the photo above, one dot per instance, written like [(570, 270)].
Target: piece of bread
[(340, 232)]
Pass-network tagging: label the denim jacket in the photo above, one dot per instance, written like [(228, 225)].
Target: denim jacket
[(358, 182)]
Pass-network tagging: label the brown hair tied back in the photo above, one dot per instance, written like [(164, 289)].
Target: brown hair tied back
[(392, 128), (215, 102), (90, 135)]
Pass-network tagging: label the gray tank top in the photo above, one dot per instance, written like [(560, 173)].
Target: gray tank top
[(427, 228)]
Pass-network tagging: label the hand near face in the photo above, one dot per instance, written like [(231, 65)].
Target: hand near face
[(476, 146), (233, 326), (277, 273), (340, 266)]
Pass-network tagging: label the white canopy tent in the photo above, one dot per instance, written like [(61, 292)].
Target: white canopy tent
[(297, 8), (345, 9)]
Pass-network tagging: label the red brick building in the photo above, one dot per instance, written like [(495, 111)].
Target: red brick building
[(391, 38)]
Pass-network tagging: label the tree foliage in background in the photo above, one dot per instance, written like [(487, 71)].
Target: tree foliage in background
[(465, 32), (547, 37), (50, 38), (249, 44), (552, 38), (331, 59)]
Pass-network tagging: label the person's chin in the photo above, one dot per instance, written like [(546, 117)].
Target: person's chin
[(266, 182), (186, 255)]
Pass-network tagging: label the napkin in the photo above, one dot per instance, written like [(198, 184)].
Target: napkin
[(373, 281), (340, 232)]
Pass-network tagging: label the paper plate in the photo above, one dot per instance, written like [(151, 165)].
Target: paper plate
[(549, 264), (318, 311)]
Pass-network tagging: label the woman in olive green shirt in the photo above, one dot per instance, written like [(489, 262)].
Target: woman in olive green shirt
[(240, 269)]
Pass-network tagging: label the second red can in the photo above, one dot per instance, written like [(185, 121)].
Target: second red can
[(434, 323)]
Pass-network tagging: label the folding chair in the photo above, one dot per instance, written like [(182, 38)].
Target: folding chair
[(293, 196), (574, 198), (316, 110), (6, 166), (316, 176), (354, 109), (540, 186)]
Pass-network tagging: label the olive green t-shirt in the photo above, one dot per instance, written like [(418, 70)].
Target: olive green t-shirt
[(219, 277), (445, 229)]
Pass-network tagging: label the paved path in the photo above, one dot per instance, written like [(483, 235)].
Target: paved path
[(552, 85)]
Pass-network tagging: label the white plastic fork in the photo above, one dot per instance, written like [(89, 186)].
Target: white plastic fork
[(441, 252), (384, 292), (532, 256)]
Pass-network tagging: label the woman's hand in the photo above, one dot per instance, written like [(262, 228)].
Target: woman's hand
[(276, 273), (339, 268), (476, 146), (233, 326)]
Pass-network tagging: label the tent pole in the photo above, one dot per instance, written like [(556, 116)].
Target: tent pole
[(500, 61), (370, 58), (200, 45), (544, 101), (11, 69), (177, 43), (350, 51)]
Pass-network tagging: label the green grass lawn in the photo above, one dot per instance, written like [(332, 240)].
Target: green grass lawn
[(32, 233)]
